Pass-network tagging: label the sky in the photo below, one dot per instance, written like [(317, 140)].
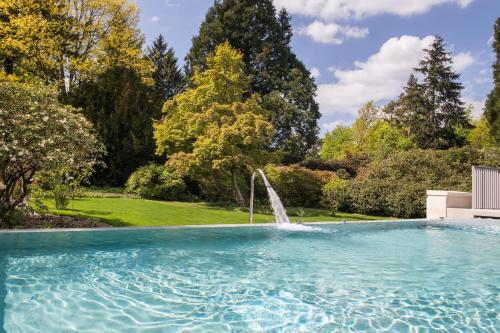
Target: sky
[(359, 50)]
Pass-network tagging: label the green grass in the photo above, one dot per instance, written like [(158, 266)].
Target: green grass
[(137, 212)]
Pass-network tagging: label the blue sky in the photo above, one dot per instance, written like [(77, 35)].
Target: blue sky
[(359, 50)]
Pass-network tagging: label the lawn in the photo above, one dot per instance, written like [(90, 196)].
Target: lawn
[(137, 212)]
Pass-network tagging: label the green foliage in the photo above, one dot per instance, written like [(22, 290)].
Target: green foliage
[(62, 194), (431, 112), (369, 135), (397, 185), (337, 143), (153, 181), (335, 193), (69, 42), (492, 111), (168, 79), (263, 38), (38, 134), (297, 186), (210, 126), (480, 136), (119, 105)]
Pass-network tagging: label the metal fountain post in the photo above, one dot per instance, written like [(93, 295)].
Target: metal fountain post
[(252, 183)]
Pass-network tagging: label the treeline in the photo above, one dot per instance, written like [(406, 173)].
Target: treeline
[(93, 52), (429, 114)]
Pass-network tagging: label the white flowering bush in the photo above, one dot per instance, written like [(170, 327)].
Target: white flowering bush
[(38, 134)]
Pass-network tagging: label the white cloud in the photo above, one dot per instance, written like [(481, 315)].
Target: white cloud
[(477, 106), (171, 3), (154, 19), (331, 125), (315, 72), (462, 60), (331, 33), (381, 77), (345, 9)]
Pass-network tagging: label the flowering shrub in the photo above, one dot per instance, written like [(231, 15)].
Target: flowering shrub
[(38, 134)]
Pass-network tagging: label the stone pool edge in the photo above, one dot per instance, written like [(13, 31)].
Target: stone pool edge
[(203, 226)]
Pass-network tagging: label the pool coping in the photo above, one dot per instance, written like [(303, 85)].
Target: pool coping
[(202, 226)]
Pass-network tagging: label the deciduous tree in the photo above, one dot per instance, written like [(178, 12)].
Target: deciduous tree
[(263, 37), (68, 42), (212, 126)]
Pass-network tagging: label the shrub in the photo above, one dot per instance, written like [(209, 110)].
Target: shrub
[(153, 181), (62, 194), (397, 185), (334, 193), (38, 134), (297, 186)]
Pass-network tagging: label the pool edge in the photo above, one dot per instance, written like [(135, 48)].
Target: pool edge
[(204, 226)]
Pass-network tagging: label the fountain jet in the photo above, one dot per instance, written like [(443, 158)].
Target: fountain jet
[(278, 208)]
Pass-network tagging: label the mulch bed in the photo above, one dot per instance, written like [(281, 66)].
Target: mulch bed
[(57, 221)]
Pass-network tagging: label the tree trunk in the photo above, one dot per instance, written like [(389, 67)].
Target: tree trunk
[(8, 66), (237, 193)]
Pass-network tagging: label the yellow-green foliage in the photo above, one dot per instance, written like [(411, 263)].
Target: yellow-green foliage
[(370, 135), (298, 186), (72, 39), (335, 193), (211, 126), (480, 136)]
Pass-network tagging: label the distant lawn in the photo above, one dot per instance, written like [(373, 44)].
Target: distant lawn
[(138, 212)]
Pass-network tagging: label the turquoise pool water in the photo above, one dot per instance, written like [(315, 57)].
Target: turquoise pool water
[(383, 277)]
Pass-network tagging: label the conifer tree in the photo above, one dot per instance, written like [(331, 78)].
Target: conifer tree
[(168, 78), (118, 103), (492, 110), (443, 92), (263, 37), (431, 112)]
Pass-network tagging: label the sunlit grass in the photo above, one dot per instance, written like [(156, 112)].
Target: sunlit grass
[(119, 211)]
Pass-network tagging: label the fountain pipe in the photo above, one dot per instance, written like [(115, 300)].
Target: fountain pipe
[(252, 183)]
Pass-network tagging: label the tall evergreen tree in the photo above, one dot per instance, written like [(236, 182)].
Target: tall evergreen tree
[(492, 110), (443, 91), (432, 112), (118, 103), (253, 28), (168, 78), (412, 115)]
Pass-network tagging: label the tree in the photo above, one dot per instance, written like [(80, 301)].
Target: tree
[(337, 143), (492, 109), (370, 135), (442, 91), (335, 193), (263, 38), (168, 79), (69, 42), (38, 134), (122, 110), (480, 136), (367, 116), (211, 126), (384, 139), (410, 113)]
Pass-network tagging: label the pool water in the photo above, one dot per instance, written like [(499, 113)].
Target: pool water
[(377, 277)]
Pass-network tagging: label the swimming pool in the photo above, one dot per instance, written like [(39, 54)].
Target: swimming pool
[(394, 277)]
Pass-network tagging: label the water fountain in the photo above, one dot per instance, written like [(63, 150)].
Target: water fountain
[(279, 211)]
